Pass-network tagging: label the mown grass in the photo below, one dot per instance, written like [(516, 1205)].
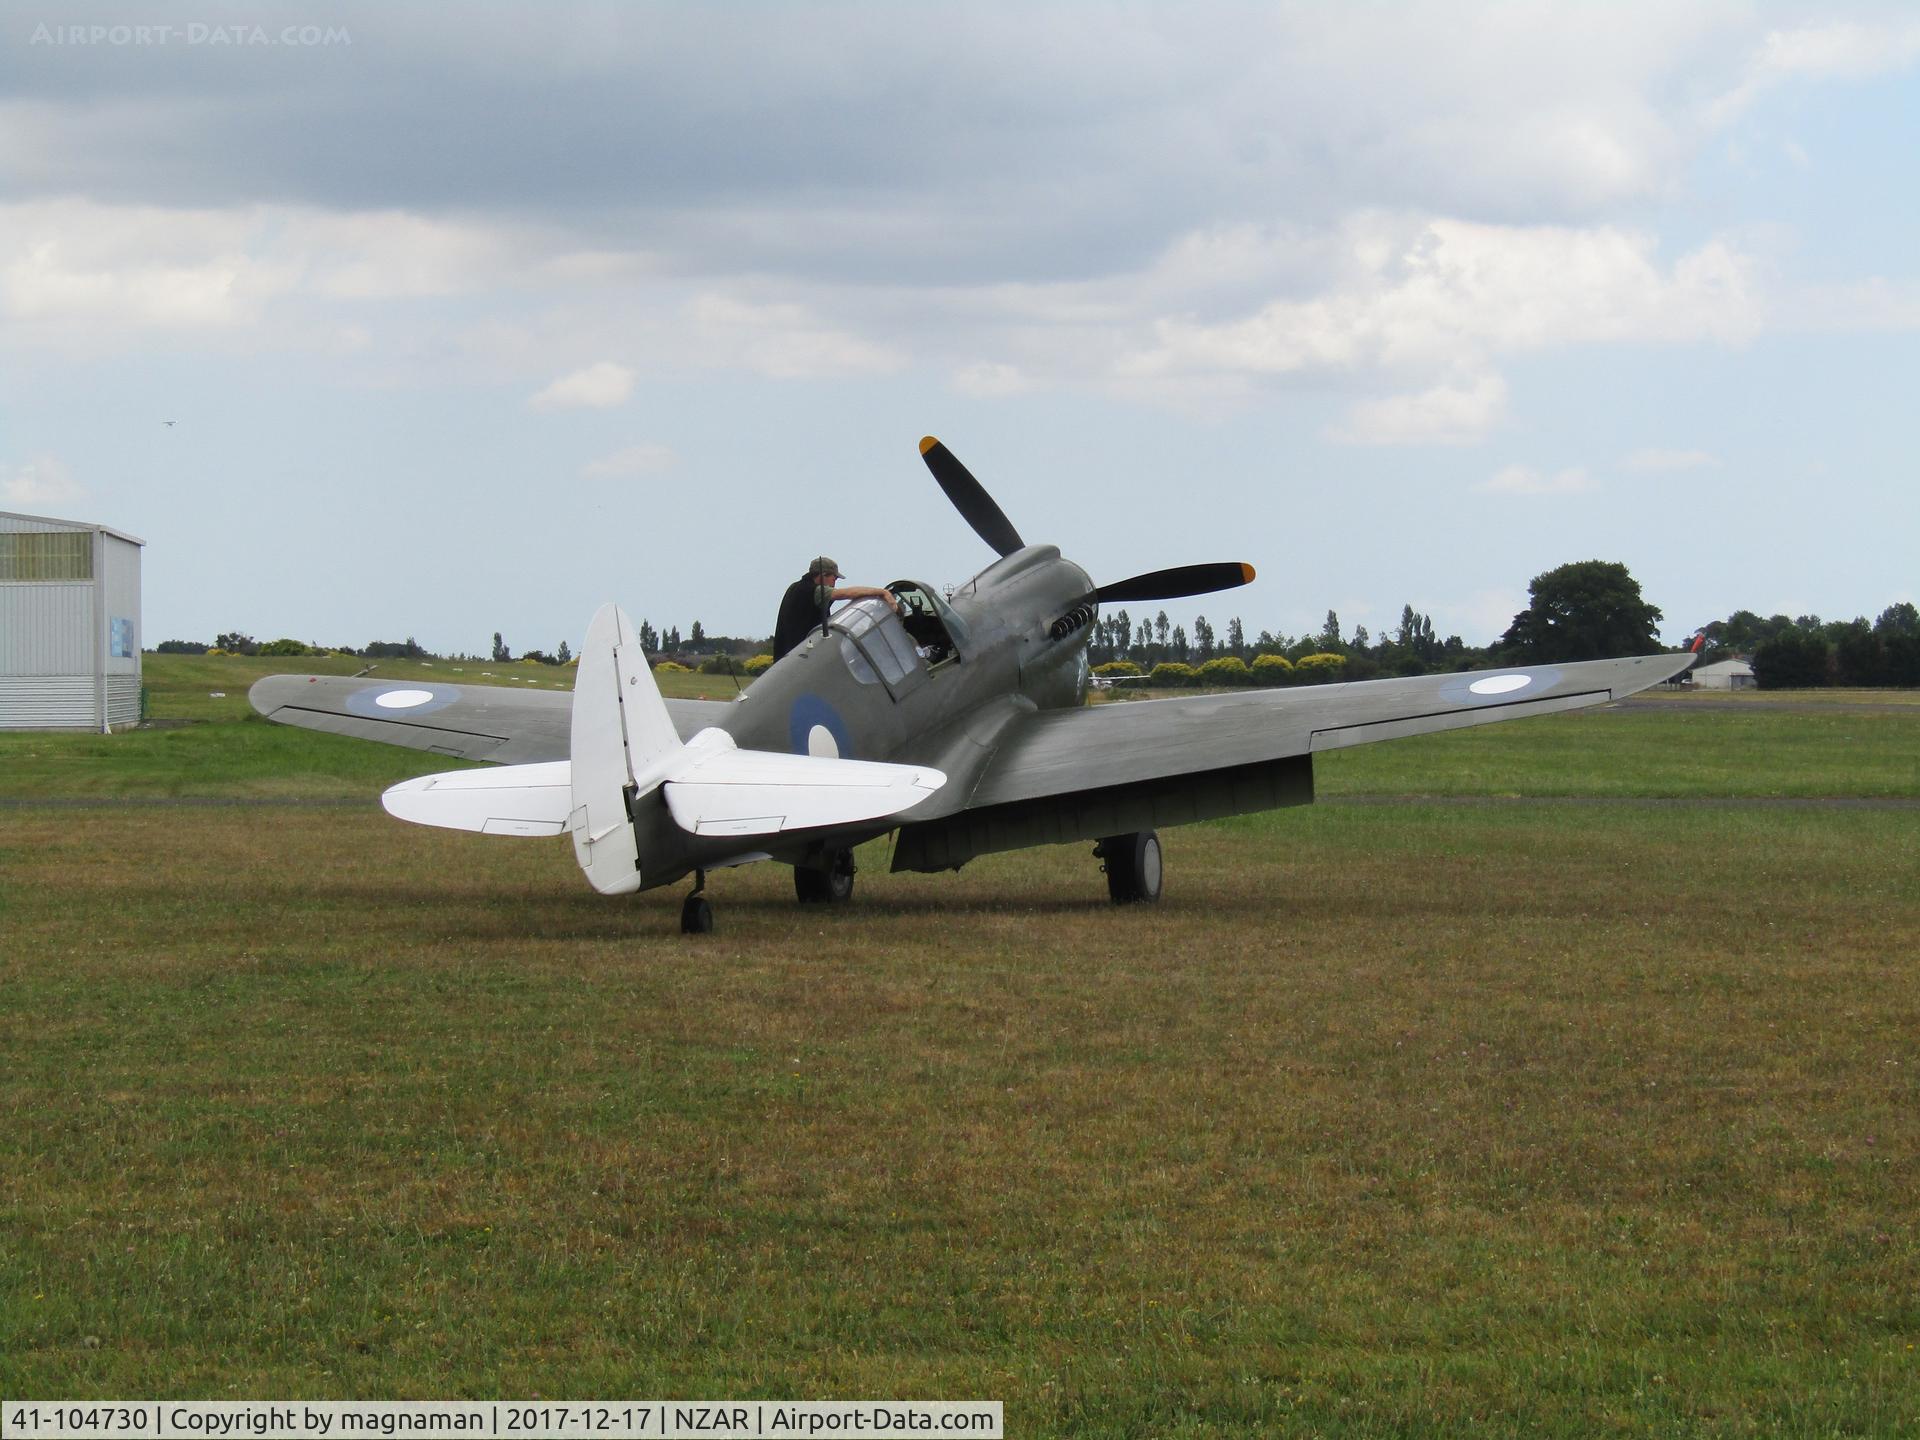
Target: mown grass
[(206, 742), (1544, 1117)]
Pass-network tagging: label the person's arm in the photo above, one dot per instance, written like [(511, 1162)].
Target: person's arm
[(864, 592)]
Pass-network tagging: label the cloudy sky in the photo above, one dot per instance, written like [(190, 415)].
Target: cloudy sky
[(471, 319)]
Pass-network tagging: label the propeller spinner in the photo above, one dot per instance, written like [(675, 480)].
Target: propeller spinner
[(990, 523)]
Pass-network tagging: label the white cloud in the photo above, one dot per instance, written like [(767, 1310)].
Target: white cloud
[(1658, 460), (634, 460), (600, 386), (1525, 480), (1839, 50), (1453, 413), (1459, 288), (75, 271), (40, 483), (782, 340), (987, 381)]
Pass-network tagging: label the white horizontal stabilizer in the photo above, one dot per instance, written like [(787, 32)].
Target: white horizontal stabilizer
[(499, 800), (714, 788)]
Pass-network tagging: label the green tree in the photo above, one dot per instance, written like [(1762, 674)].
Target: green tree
[(500, 652), (1794, 659), (1899, 630), (1586, 610)]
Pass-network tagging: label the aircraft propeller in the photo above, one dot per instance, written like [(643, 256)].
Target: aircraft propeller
[(990, 523), (970, 498)]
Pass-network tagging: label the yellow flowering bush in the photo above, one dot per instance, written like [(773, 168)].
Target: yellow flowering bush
[(1271, 670)]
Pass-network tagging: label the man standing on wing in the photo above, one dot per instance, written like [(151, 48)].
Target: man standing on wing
[(805, 603)]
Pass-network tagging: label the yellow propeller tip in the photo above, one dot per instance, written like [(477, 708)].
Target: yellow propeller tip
[(1246, 574), (927, 443)]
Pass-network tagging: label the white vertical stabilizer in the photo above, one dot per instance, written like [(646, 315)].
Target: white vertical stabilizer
[(622, 740)]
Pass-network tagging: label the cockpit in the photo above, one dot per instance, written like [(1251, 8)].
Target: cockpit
[(880, 645), (936, 631)]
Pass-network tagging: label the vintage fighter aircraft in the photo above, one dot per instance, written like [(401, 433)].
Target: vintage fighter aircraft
[(959, 722)]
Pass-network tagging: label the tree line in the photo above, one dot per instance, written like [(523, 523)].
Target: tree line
[(1584, 610), (1807, 652)]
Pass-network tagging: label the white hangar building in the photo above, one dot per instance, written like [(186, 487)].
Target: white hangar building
[(1727, 675), (69, 625)]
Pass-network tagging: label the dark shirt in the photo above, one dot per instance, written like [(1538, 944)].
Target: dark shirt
[(801, 608)]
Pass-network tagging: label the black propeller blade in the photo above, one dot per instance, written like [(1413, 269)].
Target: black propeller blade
[(977, 508), (1180, 580), (970, 498)]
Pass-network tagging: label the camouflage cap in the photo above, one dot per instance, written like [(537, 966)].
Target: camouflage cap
[(823, 565)]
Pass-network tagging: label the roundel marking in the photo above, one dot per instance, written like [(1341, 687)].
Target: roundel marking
[(811, 714), (1500, 684), (1486, 689), (384, 702), (402, 699)]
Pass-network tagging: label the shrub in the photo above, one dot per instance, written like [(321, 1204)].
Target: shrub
[(720, 665), (1319, 669), (759, 663), (1118, 667), (1171, 672), (672, 667), (284, 646), (1271, 670), (183, 647), (1225, 670)]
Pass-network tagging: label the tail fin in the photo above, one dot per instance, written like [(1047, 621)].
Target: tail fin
[(623, 739)]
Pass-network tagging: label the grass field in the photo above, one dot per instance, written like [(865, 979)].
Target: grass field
[(1554, 1078)]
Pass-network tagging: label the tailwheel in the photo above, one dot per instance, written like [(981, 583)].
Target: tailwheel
[(1132, 863), (696, 915), (828, 883)]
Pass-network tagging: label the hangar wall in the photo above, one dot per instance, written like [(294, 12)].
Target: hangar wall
[(69, 624)]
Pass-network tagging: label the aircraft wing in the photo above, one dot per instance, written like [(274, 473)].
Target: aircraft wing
[(504, 724), (1106, 769)]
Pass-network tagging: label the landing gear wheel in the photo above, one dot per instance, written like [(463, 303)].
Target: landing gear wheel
[(832, 885), (1132, 866), (696, 916)]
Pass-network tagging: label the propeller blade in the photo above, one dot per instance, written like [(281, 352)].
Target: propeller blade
[(970, 498), (1180, 580)]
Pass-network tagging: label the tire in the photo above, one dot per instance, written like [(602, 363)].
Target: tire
[(1133, 866), (831, 886), (696, 916)]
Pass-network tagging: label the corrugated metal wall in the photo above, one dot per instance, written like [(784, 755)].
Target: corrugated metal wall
[(46, 627), (123, 700), (56, 638), (46, 702), (121, 591)]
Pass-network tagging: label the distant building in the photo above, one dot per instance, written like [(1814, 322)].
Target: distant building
[(1726, 675), (69, 625)]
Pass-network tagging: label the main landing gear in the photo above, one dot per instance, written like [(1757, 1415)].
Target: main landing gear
[(830, 882), (696, 915), (1132, 863)]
